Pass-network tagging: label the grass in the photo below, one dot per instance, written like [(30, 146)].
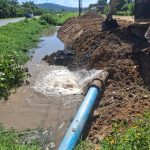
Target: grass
[(57, 19), (125, 137), (85, 145), (19, 37), (134, 137), (15, 40), (10, 140)]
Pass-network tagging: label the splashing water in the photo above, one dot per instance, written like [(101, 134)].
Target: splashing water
[(85, 76), (59, 80)]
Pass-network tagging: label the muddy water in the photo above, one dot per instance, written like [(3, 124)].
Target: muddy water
[(52, 97)]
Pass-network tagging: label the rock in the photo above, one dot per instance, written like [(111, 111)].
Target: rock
[(96, 114), (145, 96)]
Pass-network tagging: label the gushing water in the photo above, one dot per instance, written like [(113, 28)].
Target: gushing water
[(85, 77), (59, 80)]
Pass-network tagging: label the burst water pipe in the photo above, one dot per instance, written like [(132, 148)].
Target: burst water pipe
[(74, 131)]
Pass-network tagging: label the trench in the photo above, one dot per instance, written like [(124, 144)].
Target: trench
[(52, 97)]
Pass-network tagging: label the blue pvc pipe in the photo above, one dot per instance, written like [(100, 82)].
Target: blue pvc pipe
[(73, 134)]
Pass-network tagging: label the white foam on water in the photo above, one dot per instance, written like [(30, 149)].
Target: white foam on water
[(59, 80)]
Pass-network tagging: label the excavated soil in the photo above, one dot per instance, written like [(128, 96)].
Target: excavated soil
[(126, 93)]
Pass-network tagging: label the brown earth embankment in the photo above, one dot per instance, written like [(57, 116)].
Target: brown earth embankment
[(126, 94)]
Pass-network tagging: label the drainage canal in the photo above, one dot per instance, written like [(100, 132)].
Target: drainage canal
[(52, 97)]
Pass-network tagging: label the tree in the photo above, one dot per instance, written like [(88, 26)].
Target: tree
[(11, 8), (102, 2)]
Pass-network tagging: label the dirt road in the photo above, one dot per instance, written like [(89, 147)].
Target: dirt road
[(4, 22), (127, 18)]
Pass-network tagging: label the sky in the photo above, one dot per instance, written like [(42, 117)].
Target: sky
[(70, 3)]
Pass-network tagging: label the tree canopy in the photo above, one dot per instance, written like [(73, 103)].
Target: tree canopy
[(12, 8), (102, 2)]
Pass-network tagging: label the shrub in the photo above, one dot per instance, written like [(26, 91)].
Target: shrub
[(57, 19), (11, 74)]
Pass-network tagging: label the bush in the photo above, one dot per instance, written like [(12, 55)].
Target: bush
[(43, 22), (57, 19), (11, 74), (85, 145)]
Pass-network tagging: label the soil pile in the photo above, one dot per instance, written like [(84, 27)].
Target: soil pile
[(73, 28), (120, 49)]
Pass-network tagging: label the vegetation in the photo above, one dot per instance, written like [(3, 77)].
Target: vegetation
[(102, 2), (135, 137), (126, 10), (84, 145), (19, 37), (11, 74), (126, 137), (56, 19), (10, 140), (124, 7), (16, 39), (12, 8)]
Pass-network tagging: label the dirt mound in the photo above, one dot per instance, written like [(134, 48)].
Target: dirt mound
[(74, 27), (120, 49)]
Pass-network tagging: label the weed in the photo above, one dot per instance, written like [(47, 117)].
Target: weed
[(10, 140), (85, 145), (11, 74), (57, 19), (134, 137)]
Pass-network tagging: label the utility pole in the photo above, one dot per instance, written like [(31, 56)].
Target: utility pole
[(80, 7)]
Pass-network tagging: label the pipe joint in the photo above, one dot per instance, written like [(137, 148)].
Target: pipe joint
[(98, 83)]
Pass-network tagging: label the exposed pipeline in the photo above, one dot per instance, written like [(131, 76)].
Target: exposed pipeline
[(74, 131)]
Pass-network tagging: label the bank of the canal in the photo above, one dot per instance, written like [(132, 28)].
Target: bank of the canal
[(16, 39), (51, 99)]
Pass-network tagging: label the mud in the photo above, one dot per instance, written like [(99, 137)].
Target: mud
[(126, 94)]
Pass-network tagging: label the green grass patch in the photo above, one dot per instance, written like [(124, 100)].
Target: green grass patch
[(15, 40), (57, 19), (85, 145), (19, 37), (11, 140), (134, 137)]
